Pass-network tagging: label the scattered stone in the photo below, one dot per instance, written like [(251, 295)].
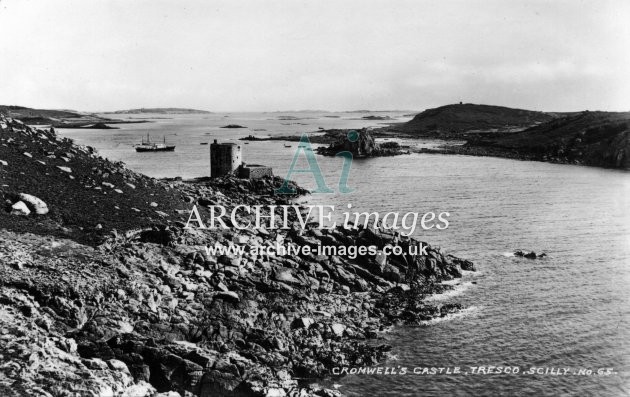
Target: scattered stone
[(338, 329), (149, 304), (229, 296), (302, 322)]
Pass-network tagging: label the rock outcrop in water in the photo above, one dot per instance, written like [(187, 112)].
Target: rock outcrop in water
[(529, 255), (139, 306), (360, 143)]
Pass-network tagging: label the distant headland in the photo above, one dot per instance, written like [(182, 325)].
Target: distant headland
[(159, 111)]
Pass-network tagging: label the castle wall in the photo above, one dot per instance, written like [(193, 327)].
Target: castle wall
[(254, 171)]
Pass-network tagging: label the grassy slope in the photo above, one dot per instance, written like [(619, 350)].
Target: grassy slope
[(593, 138), (458, 119)]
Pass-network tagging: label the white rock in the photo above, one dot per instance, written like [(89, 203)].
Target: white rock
[(153, 204), (118, 191), (338, 329), (20, 208), (140, 389), (28, 155), (275, 392), (168, 394), (303, 322), (95, 363), (65, 169), (4, 163), (37, 204), (227, 296), (117, 365)]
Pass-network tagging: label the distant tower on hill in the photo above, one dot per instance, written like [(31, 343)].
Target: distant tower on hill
[(225, 158)]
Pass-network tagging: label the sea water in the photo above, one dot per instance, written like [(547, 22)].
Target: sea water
[(568, 310)]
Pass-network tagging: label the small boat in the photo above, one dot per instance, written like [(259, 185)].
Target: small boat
[(203, 143), (148, 146), (287, 145)]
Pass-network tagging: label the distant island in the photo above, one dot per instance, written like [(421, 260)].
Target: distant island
[(590, 138), (587, 138), (159, 111), (61, 118)]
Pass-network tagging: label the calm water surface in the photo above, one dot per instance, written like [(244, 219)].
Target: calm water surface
[(568, 310)]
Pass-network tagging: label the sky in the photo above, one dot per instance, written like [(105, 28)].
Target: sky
[(267, 55)]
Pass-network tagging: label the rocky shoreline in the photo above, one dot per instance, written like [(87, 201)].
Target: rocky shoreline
[(592, 138), (146, 310)]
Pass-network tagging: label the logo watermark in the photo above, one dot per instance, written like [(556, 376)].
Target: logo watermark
[(313, 167)]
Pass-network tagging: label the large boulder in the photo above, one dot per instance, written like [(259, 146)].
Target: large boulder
[(360, 143), (34, 203), (20, 208)]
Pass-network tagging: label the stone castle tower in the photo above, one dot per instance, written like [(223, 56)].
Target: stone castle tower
[(225, 158)]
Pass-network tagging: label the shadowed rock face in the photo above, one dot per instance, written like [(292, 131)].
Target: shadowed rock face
[(361, 144)]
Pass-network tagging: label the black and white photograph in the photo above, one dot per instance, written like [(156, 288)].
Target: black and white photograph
[(301, 198)]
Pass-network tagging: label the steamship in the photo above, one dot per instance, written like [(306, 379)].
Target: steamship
[(148, 146)]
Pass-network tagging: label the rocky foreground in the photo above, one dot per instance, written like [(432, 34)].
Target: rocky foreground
[(132, 304)]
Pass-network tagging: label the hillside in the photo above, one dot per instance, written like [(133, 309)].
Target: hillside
[(589, 138), (159, 111), (87, 195), (29, 114), (60, 118), (455, 121)]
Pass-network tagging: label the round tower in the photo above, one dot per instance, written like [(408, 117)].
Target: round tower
[(225, 158)]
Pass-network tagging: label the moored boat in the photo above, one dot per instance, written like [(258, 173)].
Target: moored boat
[(148, 146)]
